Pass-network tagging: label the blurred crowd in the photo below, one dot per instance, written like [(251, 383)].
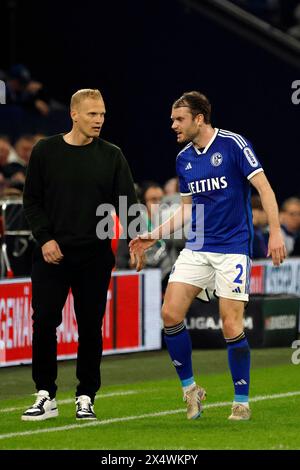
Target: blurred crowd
[(30, 107), (13, 163), (24, 90), (159, 201), (290, 226)]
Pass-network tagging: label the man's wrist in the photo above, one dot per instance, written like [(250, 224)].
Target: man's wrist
[(274, 228), (45, 238)]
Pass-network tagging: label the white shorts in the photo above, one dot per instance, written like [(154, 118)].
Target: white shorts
[(226, 275)]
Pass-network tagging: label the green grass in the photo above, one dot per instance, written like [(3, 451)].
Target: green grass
[(154, 388)]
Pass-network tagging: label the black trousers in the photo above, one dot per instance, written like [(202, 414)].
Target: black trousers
[(87, 272)]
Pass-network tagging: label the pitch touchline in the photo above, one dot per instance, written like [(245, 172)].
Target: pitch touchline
[(131, 418), (72, 400)]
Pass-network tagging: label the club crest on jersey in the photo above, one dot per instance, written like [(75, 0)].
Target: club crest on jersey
[(216, 159), (250, 157)]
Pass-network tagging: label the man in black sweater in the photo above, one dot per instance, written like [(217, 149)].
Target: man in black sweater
[(68, 177)]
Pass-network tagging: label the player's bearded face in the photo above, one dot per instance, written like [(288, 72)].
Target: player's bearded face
[(184, 125), (90, 117)]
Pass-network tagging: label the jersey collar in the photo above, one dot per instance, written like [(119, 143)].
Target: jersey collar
[(209, 143)]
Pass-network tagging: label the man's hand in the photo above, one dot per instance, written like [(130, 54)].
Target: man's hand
[(51, 252), (137, 248), (137, 260), (276, 247)]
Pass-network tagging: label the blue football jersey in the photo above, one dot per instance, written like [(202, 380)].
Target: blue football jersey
[(217, 178)]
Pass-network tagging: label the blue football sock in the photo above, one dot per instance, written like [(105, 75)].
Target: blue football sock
[(179, 345), (239, 363)]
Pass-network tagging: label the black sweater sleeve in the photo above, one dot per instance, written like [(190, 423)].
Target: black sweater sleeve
[(33, 199), (124, 186)]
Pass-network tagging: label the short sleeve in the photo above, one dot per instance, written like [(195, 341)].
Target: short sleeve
[(247, 160), (183, 186)]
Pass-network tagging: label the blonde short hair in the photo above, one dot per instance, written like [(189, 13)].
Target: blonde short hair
[(80, 95)]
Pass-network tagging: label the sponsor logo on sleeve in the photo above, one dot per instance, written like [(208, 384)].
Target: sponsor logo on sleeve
[(250, 157)]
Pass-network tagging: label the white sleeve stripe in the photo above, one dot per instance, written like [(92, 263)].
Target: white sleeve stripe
[(231, 137), (243, 140), (238, 136), (254, 173), (186, 194)]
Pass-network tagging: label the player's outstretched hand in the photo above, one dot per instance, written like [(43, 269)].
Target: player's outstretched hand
[(137, 248), (142, 243), (137, 260), (276, 248)]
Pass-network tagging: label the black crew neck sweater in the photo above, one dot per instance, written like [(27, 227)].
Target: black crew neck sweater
[(66, 183)]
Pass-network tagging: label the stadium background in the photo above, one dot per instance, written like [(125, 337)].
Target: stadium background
[(142, 55)]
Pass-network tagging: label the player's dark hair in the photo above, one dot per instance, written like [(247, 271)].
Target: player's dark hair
[(196, 102)]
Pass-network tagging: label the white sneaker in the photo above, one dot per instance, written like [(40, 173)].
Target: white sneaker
[(43, 408), (84, 408)]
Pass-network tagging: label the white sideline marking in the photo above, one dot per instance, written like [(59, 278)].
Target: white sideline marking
[(72, 400), (131, 418)]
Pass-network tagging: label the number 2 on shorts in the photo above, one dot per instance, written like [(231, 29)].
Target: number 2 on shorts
[(238, 277)]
